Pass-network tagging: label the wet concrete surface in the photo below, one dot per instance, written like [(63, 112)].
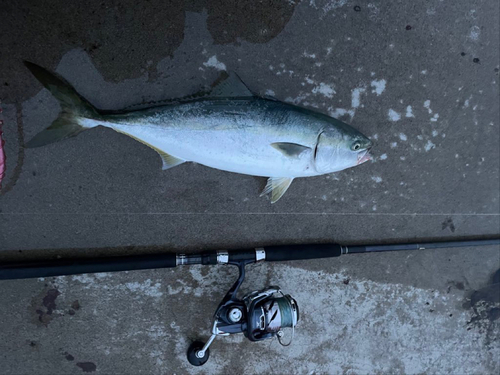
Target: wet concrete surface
[(419, 79)]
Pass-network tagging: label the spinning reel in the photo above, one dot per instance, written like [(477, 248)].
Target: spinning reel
[(258, 315)]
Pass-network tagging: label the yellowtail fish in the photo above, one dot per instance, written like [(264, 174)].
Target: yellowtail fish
[(230, 128)]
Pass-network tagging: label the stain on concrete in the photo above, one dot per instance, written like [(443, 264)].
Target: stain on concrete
[(458, 285), (448, 223), (230, 21), (44, 310), (49, 301), (87, 366), (485, 306), (68, 356), (100, 28), (75, 306), (124, 39)]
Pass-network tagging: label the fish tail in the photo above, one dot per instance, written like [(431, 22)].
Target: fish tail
[(74, 108)]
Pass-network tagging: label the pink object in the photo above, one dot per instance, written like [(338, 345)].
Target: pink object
[(2, 156)]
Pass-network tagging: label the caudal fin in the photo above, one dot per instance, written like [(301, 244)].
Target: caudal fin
[(74, 107)]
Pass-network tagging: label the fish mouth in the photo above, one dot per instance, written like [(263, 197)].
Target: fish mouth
[(364, 156)]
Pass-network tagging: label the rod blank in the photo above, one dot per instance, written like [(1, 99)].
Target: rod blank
[(61, 267), (420, 246)]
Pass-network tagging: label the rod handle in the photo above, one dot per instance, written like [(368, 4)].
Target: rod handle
[(60, 267), (301, 252)]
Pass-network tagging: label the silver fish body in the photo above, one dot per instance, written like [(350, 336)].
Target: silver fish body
[(234, 135)]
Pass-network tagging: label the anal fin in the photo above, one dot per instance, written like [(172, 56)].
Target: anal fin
[(277, 186), (168, 160)]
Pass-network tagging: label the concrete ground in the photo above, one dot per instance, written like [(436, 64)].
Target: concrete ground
[(420, 78)]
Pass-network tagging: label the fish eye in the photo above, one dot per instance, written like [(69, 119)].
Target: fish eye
[(356, 146)]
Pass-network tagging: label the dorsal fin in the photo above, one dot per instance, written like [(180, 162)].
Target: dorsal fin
[(232, 86), (227, 85)]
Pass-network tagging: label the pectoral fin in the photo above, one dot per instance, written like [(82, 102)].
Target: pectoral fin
[(169, 161), (277, 186), (290, 149)]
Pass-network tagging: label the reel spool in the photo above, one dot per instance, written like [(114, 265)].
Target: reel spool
[(259, 315), (268, 312)]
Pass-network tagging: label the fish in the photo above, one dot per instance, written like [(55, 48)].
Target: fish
[(230, 129)]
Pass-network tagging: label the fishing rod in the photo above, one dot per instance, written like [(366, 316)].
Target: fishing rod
[(259, 315)]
